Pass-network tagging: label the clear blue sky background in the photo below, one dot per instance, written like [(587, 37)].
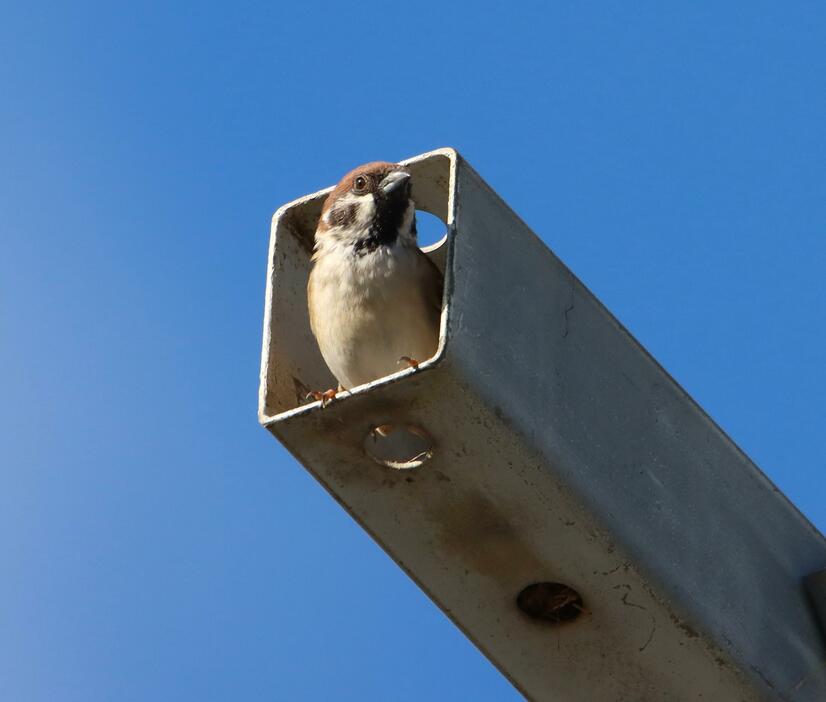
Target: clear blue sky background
[(155, 542)]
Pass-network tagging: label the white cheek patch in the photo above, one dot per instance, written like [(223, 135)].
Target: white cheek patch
[(365, 208), (343, 235), (366, 211)]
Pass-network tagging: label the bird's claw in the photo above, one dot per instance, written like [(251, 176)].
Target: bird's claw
[(411, 362), (325, 397)]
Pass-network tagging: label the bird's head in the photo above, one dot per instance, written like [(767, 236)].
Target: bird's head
[(371, 207)]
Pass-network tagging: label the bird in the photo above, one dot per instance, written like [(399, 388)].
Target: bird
[(374, 298)]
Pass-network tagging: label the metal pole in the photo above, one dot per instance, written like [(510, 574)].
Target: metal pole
[(564, 501)]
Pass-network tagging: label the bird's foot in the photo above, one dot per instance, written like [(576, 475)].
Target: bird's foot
[(325, 397), (410, 362)]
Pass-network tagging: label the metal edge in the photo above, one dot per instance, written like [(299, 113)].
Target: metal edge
[(268, 420)]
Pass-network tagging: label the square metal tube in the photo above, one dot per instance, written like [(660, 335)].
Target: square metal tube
[(562, 452)]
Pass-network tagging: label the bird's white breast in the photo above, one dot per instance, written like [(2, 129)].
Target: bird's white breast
[(370, 310)]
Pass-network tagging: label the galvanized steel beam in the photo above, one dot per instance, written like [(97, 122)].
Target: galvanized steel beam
[(556, 450)]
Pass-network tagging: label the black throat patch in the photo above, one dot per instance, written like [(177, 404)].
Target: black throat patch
[(386, 222)]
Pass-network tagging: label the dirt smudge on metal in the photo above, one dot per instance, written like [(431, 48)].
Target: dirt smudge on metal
[(472, 528)]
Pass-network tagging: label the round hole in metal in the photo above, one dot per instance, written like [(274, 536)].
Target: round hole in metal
[(398, 446), (430, 228), (551, 602)]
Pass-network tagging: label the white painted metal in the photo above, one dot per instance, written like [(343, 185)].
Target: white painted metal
[(561, 452)]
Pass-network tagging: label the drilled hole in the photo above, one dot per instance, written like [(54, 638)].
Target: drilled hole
[(398, 446), (429, 228), (550, 602)]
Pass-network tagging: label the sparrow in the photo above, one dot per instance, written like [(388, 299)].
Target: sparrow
[(374, 298)]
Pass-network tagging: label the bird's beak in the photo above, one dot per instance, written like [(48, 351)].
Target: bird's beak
[(393, 180)]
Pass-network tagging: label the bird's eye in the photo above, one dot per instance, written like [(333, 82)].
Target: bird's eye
[(360, 184)]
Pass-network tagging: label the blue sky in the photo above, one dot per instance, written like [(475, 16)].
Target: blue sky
[(155, 542)]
